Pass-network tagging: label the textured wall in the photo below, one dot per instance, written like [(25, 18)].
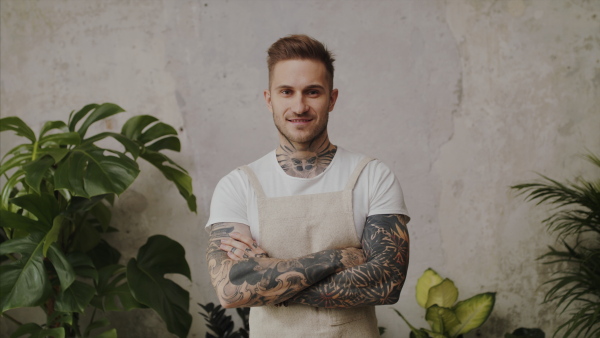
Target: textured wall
[(462, 98)]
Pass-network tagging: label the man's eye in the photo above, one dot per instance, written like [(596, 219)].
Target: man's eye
[(313, 92), (286, 92)]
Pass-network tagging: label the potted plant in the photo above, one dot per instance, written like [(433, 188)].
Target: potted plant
[(446, 317), (575, 219), (55, 213)]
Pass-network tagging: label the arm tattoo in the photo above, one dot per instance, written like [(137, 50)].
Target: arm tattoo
[(260, 280), (378, 281)]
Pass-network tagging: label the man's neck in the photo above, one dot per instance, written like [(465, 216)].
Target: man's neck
[(305, 160)]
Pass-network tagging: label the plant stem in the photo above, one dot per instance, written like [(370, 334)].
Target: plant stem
[(11, 319)]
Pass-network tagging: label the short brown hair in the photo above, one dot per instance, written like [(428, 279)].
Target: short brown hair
[(300, 46)]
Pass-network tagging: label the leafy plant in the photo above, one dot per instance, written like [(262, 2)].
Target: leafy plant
[(221, 324), (55, 212), (446, 317), (575, 218), (527, 333)]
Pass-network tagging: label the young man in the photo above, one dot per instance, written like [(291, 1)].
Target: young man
[(311, 235)]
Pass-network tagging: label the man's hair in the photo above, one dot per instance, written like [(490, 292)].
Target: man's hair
[(300, 47)]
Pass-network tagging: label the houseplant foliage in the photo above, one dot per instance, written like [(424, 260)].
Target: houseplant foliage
[(446, 317), (55, 212), (575, 219), (221, 324)]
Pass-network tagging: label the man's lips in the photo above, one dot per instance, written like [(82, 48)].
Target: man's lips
[(300, 121)]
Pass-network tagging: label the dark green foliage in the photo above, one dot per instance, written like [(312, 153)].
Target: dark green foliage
[(221, 324), (55, 209), (575, 218), (526, 333)]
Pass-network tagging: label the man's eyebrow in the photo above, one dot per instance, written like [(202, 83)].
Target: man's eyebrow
[(313, 86)]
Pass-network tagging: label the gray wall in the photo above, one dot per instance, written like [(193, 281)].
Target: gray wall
[(461, 98)]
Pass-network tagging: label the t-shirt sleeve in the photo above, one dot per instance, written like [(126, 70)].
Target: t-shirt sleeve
[(386, 195), (228, 203)]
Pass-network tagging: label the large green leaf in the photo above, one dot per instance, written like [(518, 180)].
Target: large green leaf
[(443, 294), (8, 187), (36, 170), (62, 266), (36, 331), (17, 160), (175, 173), (70, 138), (426, 281), (51, 125), (441, 319), (167, 143), (76, 298), (100, 112), (473, 312), (159, 256), (15, 221), (134, 126), (74, 118), (86, 238), (89, 172), (129, 145), (23, 283), (44, 207), (16, 124), (157, 131), (83, 265), (112, 290)]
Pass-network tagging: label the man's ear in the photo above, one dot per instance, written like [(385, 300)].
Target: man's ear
[(332, 98), (267, 95)]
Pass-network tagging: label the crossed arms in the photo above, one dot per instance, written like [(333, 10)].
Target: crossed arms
[(337, 278)]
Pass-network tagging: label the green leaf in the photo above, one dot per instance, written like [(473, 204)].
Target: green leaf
[(129, 145), (89, 172), (86, 238), (113, 293), (168, 143), (443, 294), (57, 153), (17, 160), (103, 214), (413, 330), (29, 328), (16, 221), (441, 319), (73, 119), (70, 138), (174, 173), (104, 255), (8, 187), (76, 298), (64, 270), (473, 312), (99, 324), (23, 283), (100, 112), (426, 281), (16, 124), (44, 207), (57, 332), (158, 130), (52, 235), (134, 126), (159, 256), (82, 265), (51, 125), (36, 170)]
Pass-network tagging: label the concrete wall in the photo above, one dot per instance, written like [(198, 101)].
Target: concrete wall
[(461, 98)]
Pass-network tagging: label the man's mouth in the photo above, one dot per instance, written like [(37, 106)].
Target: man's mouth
[(300, 121)]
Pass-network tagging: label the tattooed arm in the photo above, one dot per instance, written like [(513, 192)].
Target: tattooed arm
[(245, 276), (376, 282)]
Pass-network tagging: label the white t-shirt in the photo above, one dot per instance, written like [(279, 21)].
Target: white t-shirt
[(376, 192)]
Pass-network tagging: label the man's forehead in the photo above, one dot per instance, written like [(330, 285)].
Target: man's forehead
[(289, 72)]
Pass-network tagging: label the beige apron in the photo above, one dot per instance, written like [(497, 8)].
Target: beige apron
[(295, 226)]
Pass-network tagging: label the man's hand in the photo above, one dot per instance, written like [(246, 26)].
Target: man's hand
[(257, 281), (240, 246)]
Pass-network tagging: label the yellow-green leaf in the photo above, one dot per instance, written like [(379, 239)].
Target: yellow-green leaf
[(473, 312), (443, 294), (428, 279), (441, 319)]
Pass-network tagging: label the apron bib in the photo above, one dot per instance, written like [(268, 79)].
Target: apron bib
[(295, 226)]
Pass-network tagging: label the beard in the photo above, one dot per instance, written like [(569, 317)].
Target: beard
[(307, 135)]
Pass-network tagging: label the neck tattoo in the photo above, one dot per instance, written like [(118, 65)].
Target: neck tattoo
[(305, 163)]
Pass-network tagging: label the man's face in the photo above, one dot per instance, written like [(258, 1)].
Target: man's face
[(300, 99)]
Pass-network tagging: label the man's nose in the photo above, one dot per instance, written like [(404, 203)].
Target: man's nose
[(300, 106)]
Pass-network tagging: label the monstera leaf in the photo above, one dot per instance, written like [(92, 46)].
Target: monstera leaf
[(159, 256)]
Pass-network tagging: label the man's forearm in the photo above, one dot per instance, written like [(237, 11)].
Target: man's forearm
[(257, 281), (376, 282)]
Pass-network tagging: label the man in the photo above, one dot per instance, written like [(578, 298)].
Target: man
[(311, 235)]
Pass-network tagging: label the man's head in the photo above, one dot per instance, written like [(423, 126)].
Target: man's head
[(300, 47)]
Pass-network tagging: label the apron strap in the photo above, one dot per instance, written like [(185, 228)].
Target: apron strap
[(253, 181), (354, 177)]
